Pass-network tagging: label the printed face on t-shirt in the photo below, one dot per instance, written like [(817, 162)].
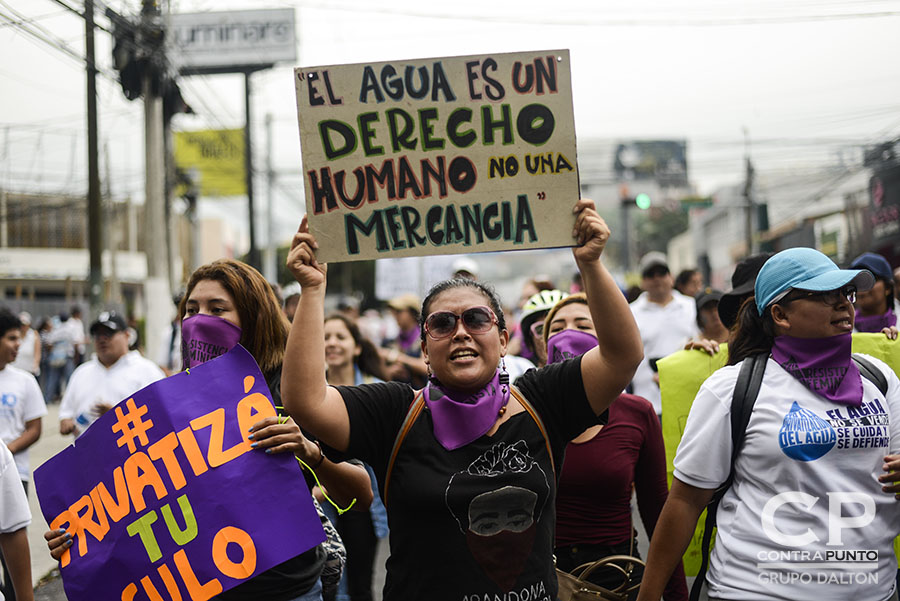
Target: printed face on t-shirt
[(510, 508)]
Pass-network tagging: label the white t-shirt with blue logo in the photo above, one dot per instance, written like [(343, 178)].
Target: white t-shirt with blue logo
[(20, 401), (805, 517)]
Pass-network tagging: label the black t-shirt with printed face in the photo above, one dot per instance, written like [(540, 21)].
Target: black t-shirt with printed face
[(478, 521)]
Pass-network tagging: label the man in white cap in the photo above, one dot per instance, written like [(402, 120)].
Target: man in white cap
[(465, 267), (666, 318)]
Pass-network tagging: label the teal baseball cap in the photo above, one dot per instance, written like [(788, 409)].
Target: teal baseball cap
[(805, 269)]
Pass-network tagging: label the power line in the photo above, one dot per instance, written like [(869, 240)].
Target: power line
[(37, 32), (585, 21)]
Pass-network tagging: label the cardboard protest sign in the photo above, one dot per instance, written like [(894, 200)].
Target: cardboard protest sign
[(164, 493), (439, 156), (680, 376)]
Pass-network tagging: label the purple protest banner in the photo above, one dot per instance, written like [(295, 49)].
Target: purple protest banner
[(163, 494)]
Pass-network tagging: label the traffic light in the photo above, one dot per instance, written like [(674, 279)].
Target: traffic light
[(642, 201)]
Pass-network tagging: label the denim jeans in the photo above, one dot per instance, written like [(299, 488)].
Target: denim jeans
[(313, 594)]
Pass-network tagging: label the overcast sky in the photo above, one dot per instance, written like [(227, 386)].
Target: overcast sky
[(809, 81)]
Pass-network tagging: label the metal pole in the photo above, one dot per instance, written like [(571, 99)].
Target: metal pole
[(95, 210), (626, 235), (270, 270), (157, 293), (253, 254)]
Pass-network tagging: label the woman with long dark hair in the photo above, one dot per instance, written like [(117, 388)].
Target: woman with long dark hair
[(352, 360), (228, 302)]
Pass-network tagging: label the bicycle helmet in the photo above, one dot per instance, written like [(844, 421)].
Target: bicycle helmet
[(537, 307)]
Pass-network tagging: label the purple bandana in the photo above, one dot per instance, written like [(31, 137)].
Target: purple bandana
[(407, 340), (205, 337), (824, 365), (569, 343), (875, 323), (460, 419)]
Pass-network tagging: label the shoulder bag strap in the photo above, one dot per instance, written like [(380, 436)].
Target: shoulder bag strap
[(537, 419), (871, 373), (746, 389), (414, 410)]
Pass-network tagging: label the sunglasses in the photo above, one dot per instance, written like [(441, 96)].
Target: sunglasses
[(537, 329), (829, 297), (476, 320)]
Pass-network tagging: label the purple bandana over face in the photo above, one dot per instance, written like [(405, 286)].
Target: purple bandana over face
[(875, 323), (205, 337), (824, 365), (408, 339), (460, 418), (569, 343)]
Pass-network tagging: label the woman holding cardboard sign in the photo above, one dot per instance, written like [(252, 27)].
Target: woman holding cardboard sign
[(226, 303), (466, 466)]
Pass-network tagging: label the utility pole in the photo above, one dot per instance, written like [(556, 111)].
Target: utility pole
[(269, 268), (95, 210), (253, 254), (748, 192), (157, 293)]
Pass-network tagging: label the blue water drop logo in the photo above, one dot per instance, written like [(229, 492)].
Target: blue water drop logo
[(805, 436)]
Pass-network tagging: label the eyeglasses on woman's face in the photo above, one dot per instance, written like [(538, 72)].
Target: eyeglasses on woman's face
[(476, 320), (828, 297)]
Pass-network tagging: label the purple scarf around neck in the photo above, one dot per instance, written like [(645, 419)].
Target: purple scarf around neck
[(824, 365), (875, 323), (460, 418)]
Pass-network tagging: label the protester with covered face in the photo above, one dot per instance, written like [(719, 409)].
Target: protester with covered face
[(875, 307), (604, 465), (470, 445), (228, 302)]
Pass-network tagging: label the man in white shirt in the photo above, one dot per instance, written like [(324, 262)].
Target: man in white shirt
[(114, 374), (14, 518), (667, 320)]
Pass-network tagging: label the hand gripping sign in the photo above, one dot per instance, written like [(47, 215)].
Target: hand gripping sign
[(439, 156), (164, 498)]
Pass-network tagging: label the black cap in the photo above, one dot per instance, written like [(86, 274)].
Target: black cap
[(742, 281), (110, 320), (706, 296)]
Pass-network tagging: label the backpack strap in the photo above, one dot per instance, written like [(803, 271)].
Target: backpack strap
[(537, 419), (414, 410), (746, 389), (871, 373)]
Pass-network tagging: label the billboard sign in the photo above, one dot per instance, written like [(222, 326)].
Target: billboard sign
[(216, 157), (216, 42), (662, 161)]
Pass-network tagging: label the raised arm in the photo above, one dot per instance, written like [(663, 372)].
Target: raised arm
[(304, 391), (607, 369)]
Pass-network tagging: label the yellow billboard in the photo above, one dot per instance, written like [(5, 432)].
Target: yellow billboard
[(215, 160)]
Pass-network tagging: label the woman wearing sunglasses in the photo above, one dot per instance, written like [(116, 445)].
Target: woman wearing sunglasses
[(806, 516), (468, 480), (604, 465)]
